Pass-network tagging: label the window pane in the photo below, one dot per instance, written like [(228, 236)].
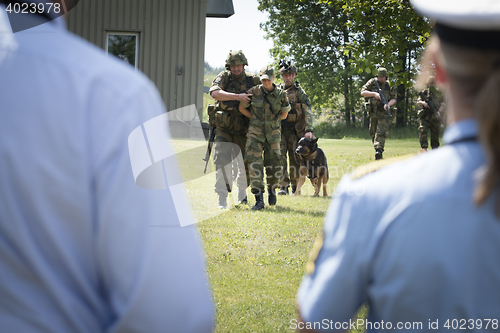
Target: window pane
[(123, 46)]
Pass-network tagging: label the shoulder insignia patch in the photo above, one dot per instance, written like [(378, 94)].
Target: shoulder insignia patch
[(218, 79), (313, 255), (377, 165)]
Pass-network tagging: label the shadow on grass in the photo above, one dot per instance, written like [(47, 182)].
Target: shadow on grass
[(280, 210)]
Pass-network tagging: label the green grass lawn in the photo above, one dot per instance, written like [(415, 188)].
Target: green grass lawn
[(256, 260)]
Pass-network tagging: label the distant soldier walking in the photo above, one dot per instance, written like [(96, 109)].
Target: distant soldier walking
[(229, 89), (297, 124), (379, 113), (269, 106), (430, 115)]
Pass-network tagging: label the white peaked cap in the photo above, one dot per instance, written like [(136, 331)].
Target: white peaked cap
[(470, 23), (463, 14)]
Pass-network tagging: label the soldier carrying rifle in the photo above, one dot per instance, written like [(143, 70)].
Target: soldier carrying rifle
[(432, 102), (377, 92), (229, 89)]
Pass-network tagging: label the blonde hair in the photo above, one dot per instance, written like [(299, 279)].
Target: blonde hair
[(475, 75)]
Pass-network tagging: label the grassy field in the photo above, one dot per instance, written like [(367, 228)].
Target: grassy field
[(256, 260)]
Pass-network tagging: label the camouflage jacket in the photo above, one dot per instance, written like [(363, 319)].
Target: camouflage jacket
[(435, 96), (265, 121), (300, 115), (375, 105), (225, 116), (227, 82)]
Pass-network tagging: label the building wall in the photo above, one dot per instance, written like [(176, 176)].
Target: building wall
[(171, 34)]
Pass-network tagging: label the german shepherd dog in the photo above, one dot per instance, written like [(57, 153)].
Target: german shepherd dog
[(313, 164)]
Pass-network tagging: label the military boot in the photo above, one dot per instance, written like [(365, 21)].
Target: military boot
[(259, 202), (271, 199), (283, 190), (242, 197), (222, 201), (378, 154)]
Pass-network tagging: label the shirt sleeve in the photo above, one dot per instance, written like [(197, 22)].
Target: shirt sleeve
[(337, 286), (392, 93), (250, 91), (152, 270), (368, 85), (218, 83), (306, 108)]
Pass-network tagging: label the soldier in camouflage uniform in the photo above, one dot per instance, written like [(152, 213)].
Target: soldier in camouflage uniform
[(428, 119), (229, 89), (297, 124), (379, 117), (269, 106)]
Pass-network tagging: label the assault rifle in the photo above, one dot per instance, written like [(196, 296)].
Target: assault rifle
[(209, 147), (429, 103), (382, 98), (207, 157)]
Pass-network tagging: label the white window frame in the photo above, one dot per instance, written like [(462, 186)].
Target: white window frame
[(128, 33)]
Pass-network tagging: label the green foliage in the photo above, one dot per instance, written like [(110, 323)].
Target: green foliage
[(123, 47), (209, 70), (312, 34), (338, 44), (385, 30), (339, 130), (207, 99)]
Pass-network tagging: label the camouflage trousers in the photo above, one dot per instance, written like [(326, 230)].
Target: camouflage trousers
[(379, 128), (288, 144), (259, 154), (227, 147), (428, 122)]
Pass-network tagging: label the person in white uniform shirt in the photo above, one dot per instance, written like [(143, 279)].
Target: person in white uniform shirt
[(418, 240), (82, 247)]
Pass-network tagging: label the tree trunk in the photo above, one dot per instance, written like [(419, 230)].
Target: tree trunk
[(401, 91), (347, 79)]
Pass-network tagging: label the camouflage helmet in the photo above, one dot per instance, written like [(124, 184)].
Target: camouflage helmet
[(236, 58), (266, 73), (382, 72), (286, 67)]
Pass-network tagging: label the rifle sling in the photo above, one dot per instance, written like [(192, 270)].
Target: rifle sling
[(265, 97)]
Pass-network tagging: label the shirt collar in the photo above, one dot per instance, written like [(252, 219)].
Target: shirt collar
[(240, 78), (270, 92), (461, 130)]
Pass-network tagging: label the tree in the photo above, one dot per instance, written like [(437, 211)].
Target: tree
[(390, 34), (337, 45), (123, 46), (307, 33)]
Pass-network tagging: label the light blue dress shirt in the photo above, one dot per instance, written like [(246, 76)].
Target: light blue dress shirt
[(409, 241), (82, 247)]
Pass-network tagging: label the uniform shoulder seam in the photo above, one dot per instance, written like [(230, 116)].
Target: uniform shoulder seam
[(366, 169)]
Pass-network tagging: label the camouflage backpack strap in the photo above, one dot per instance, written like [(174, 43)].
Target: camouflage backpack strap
[(265, 97)]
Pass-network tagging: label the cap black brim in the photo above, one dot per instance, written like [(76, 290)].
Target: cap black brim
[(476, 39)]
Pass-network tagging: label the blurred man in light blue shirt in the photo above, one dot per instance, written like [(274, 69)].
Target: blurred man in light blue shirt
[(78, 250)]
